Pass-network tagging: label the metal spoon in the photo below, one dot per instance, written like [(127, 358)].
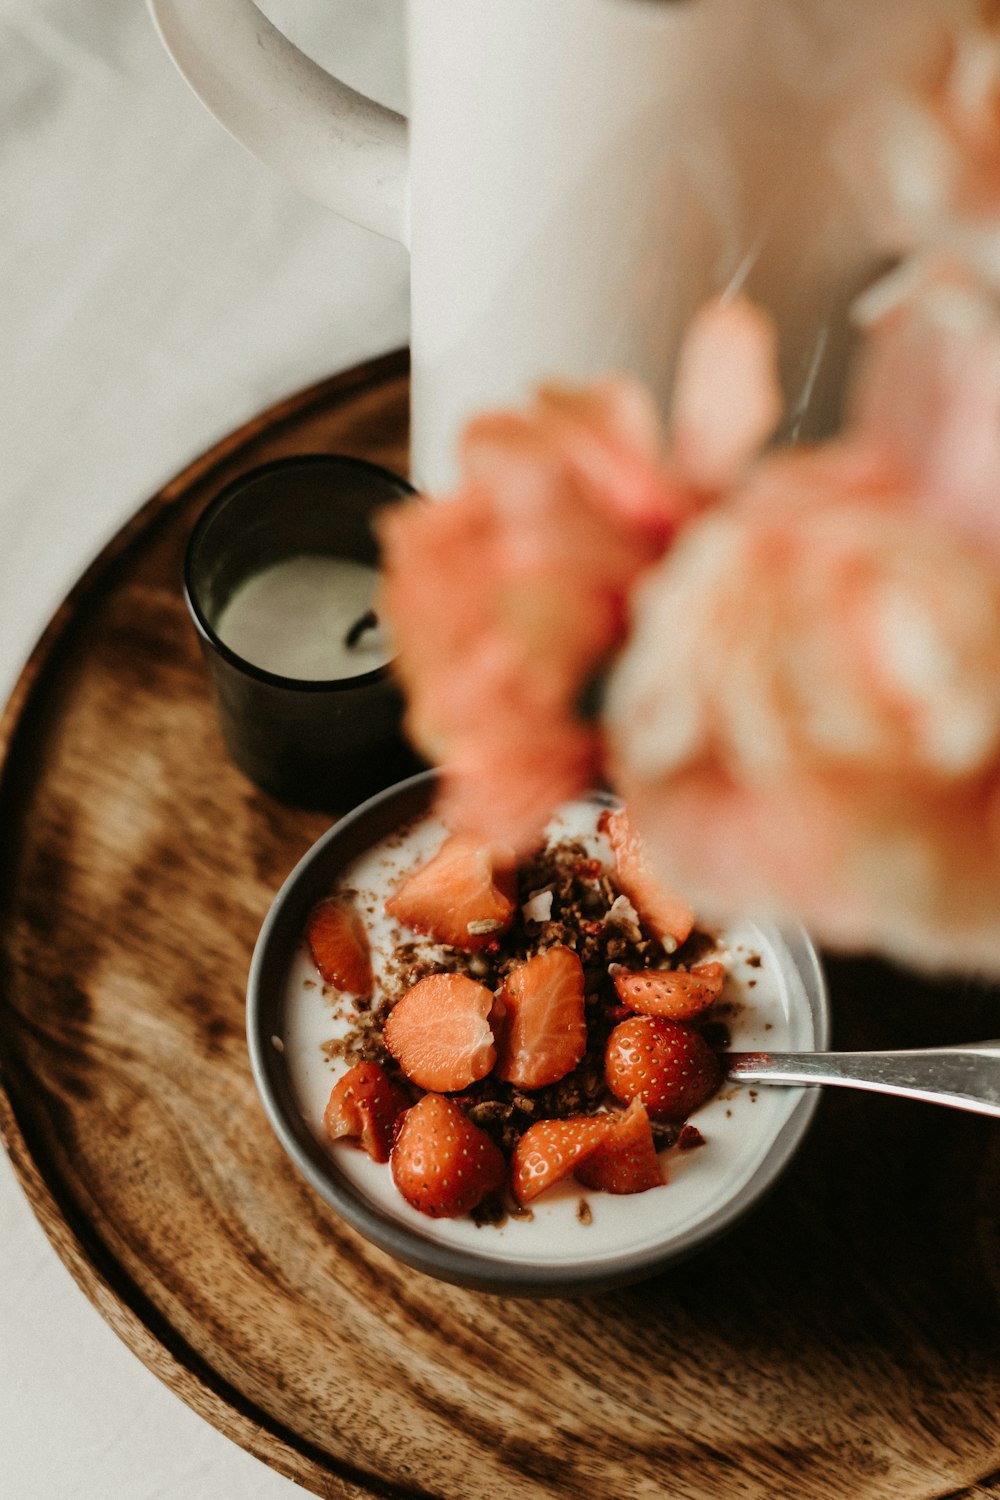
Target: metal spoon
[(965, 1077)]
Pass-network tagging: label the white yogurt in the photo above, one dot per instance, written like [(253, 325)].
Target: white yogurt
[(739, 1124), (294, 618)]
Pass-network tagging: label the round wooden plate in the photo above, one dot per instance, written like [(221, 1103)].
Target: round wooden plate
[(842, 1341)]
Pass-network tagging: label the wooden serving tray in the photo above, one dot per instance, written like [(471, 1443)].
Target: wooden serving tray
[(843, 1341)]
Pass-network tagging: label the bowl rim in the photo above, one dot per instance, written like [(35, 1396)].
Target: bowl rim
[(306, 883)]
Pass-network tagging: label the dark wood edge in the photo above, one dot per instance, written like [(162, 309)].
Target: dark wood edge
[(126, 1311), (122, 1305)]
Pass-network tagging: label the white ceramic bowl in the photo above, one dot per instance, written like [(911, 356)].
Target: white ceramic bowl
[(751, 1134)]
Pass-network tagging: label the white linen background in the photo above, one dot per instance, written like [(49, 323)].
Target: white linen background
[(157, 288)]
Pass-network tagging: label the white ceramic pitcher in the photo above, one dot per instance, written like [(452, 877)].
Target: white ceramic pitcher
[(577, 175)]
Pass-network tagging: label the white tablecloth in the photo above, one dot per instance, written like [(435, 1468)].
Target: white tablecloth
[(157, 287)]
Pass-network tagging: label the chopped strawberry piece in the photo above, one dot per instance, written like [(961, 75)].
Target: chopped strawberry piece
[(669, 1067), (463, 896), (550, 1150), (338, 943), (626, 1160), (664, 914), (440, 1032), (544, 1032), (365, 1105), (679, 994), (442, 1163)]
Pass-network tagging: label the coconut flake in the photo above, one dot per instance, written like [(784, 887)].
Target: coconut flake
[(621, 913), (538, 907)]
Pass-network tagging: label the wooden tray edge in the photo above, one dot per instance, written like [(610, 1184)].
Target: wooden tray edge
[(122, 1305)]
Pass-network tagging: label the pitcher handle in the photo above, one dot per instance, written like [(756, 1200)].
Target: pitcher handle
[(333, 143)]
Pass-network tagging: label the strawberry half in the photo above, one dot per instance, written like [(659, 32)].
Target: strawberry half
[(664, 914), (442, 1164), (680, 994), (669, 1067), (365, 1105), (338, 943), (626, 1160), (544, 1032), (459, 897), (440, 1032), (550, 1150)]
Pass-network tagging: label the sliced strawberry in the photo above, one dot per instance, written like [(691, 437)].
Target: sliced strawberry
[(462, 896), (338, 943), (550, 1150), (440, 1032), (544, 1031), (365, 1105), (679, 994), (626, 1160), (669, 1067), (663, 913), (443, 1164)]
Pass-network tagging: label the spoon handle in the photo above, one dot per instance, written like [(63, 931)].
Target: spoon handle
[(964, 1077)]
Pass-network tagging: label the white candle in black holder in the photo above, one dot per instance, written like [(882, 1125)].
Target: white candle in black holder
[(280, 577)]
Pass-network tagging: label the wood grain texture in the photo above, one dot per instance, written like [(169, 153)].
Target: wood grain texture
[(843, 1341)]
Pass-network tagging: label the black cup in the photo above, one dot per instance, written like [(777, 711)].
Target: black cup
[(318, 744)]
